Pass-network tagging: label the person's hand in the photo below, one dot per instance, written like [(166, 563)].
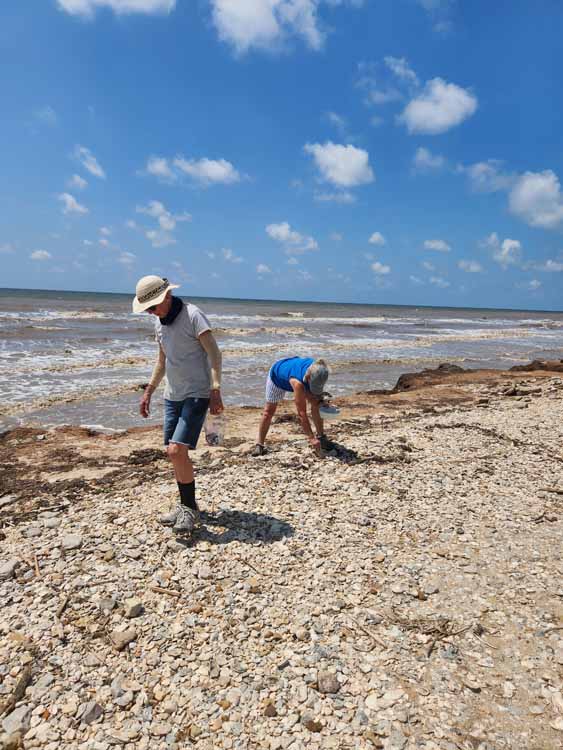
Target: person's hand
[(145, 405), (215, 402), (315, 444)]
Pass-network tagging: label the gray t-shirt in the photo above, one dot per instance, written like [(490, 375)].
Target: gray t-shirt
[(188, 374)]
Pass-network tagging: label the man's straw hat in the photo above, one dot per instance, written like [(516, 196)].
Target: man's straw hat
[(151, 290)]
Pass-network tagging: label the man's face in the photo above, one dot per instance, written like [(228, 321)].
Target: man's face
[(161, 309)]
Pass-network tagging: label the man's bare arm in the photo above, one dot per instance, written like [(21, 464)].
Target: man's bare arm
[(301, 406), (157, 374), (207, 340)]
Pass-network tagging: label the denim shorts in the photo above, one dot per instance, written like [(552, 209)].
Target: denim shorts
[(183, 420)]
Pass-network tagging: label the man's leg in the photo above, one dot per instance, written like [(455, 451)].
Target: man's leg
[(266, 421), (184, 473)]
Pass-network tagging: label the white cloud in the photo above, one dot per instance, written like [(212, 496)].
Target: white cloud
[(342, 166), (229, 256), (380, 269), (344, 196), (305, 275), (487, 177), (126, 258), (376, 121), (131, 224), (400, 67), (441, 246), (87, 8), (167, 221), (438, 108), (71, 205), (291, 261), (103, 242), (506, 253), (416, 280), (439, 282), (294, 242), (428, 266), (425, 161), (77, 182), (267, 24), (160, 238), (551, 266), (534, 284), (6, 249), (377, 239), (40, 255), (159, 167), (470, 266), (536, 198), (337, 120), (87, 242), (262, 268), (89, 161), (208, 171), (46, 115), (105, 231)]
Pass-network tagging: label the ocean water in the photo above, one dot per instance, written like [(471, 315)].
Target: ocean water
[(77, 357)]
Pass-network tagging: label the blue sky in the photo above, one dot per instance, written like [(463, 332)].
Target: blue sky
[(385, 151)]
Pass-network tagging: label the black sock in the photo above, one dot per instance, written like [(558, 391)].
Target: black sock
[(187, 494)]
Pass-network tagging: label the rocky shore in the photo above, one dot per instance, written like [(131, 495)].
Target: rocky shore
[(402, 592)]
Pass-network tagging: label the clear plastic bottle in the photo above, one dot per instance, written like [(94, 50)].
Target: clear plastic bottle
[(215, 427)]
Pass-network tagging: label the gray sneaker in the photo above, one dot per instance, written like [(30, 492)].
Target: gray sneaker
[(186, 520), (169, 519)]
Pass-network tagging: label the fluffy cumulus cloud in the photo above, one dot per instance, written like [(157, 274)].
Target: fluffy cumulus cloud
[(536, 199), (439, 107), (341, 166), (208, 171), (162, 235), (380, 269), (440, 246), (40, 255), (203, 171), (425, 161), (70, 205), (267, 24), (377, 239), (470, 266), (89, 161), (294, 242), (401, 69), (87, 8), (262, 269), (505, 253)]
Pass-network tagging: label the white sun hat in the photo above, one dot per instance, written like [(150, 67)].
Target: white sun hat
[(151, 290)]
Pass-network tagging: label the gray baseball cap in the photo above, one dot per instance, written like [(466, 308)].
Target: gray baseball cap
[(318, 375)]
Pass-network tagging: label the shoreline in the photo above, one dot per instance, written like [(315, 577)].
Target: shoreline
[(402, 593)]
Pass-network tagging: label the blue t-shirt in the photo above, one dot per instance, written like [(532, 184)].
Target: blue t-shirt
[(290, 367)]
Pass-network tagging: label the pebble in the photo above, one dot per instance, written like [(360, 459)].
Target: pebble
[(327, 682), (8, 569), (122, 638), (132, 607), (18, 720), (71, 541)]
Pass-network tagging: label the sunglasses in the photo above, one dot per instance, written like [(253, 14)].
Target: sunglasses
[(152, 308)]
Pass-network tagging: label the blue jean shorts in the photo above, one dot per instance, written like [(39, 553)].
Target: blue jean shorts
[(183, 420)]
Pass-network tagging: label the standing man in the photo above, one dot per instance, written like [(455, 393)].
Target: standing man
[(189, 357), (306, 377)]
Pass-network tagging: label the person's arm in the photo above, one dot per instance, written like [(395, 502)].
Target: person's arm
[(301, 406), (316, 416), (207, 340), (157, 374)]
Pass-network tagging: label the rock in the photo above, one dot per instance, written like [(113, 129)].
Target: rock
[(122, 638), (8, 569), (51, 523), (195, 731), (32, 531), (90, 712), (71, 541), (125, 699), (309, 722), (204, 571), (327, 683), (395, 741), (17, 720), (107, 604), (270, 710), (42, 685), (159, 729), (133, 607)]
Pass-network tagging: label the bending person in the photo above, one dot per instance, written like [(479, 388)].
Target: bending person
[(306, 378), (189, 357)]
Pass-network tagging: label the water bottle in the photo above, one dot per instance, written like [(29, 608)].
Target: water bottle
[(215, 427)]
